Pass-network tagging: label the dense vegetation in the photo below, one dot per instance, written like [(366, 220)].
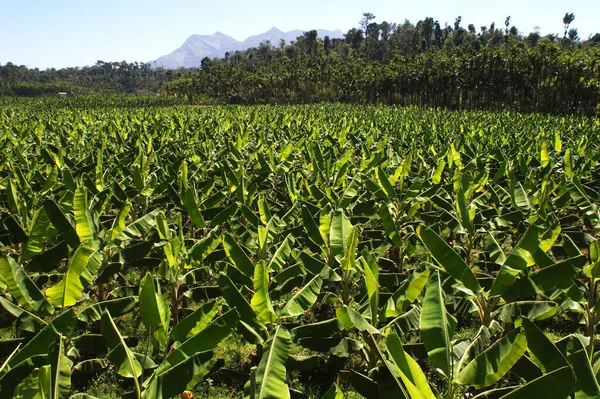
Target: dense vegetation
[(103, 77), (321, 251), (406, 64), (421, 64)]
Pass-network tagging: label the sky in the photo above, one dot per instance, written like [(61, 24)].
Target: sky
[(61, 33)]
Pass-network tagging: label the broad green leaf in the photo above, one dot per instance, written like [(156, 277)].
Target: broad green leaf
[(569, 164), (184, 375), (546, 353), (593, 269), (140, 226), (436, 178), (586, 385), (61, 223), (205, 340), (119, 353), (581, 198), (448, 259), (557, 142), (544, 157), (60, 369), (494, 249), (195, 322), (371, 273), (83, 217), (335, 392), (552, 385), (520, 197), (234, 299), (30, 387), (13, 377), (325, 221), (478, 344), (464, 211), (16, 311), (40, 231), (311, 227), (340, 230), (405, 322), (22, 288), (303, 299), (532, 310), (192, 208), (13, 199), (155, 312), (348, 261), (45, 338), (350, 192), (116, 307), (204, 247), (408, 370), (271, 372), (283, 252), (390, 226), (385, 184), (494, 362), (437, 326), (350, 319), (261, 303), (68, 291), (408, 292), (119, 222), (518, 260), (263, 210), (237, 255)]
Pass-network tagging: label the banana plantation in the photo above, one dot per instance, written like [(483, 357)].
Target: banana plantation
[(311, 251)]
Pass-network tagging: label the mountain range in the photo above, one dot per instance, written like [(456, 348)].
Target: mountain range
[(197, 47)]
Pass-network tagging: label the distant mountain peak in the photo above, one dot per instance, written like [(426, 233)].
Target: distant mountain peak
[(197, 47), (274, 30)]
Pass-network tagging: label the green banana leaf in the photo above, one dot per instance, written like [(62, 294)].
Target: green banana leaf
[(555, 384), (271, 371), (261, 302), (205, 340), (303, 299), (26, 293), (237, 255), (437, 326), (68, 291), (492, 364), (174, 380), (60, 369), (448, 259), (195, 322), (155, 312), (408, 370), (119, 353)]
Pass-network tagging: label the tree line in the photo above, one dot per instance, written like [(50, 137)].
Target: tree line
[(422, 64), (426, 64), (102, 77)]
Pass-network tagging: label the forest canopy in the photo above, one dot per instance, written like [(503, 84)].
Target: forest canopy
[(454, 66)]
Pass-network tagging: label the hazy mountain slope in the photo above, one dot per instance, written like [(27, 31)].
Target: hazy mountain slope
[(197, 47)]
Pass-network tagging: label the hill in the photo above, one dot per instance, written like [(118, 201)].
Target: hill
[(197, 47)]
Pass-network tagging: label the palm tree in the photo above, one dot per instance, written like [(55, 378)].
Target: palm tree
[(567, 19)]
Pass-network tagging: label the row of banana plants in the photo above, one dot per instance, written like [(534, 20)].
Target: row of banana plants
[(392, 252)]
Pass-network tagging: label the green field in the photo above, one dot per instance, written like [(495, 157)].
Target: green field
[(297, 251)]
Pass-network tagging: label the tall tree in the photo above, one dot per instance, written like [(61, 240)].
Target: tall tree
[(366, 19), (567, 20)]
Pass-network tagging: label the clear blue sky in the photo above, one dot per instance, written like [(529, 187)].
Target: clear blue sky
[(60, 33)]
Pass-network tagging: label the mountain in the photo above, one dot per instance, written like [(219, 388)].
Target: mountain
[(197, 47)]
